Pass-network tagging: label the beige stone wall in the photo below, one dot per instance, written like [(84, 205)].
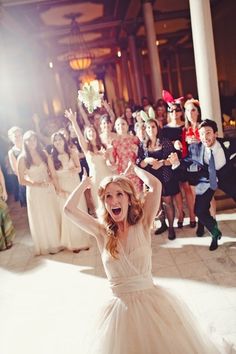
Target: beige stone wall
[(224, 21)]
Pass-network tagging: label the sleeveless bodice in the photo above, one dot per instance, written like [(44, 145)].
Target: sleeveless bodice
[(38, 173), (131, 270), (67, 177), (97, 167)]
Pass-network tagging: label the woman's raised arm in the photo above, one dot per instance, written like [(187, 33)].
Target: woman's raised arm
[(72, 118), (153, 196), (81, 218)]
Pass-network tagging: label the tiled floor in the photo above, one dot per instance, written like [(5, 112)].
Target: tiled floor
[(45, 302)]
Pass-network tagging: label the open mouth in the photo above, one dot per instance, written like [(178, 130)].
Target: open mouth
[(116, 211)]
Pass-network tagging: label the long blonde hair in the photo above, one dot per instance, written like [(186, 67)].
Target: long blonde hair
[(135, 210)]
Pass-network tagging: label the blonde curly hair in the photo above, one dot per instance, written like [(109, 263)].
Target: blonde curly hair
[(135, 210)]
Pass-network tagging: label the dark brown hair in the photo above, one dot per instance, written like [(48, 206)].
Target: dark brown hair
[(98, 142), (54, 152), (26, 152)]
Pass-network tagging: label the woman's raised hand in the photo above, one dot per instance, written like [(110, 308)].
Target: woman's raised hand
[(70, 115), (178, 145)]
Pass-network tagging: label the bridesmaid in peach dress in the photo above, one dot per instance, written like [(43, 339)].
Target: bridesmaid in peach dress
[(65, 167), (42, 206), (95, 153)]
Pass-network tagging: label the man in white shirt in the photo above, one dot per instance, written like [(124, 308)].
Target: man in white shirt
[(216, 170)]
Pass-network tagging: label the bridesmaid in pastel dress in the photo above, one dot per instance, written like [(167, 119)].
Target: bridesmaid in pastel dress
[(107, 136), (96, 155), (42, 206), (64, 165)]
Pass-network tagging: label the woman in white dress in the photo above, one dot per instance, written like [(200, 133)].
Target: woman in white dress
[(64, 166), (96, 155), (43, 210), (140, 318), (106, 136)]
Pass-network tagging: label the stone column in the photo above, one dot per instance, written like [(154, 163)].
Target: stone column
[(153, 54), (169, 76), (125, 71), (178, 72), (135, 66), (144, 89), (205, 61)]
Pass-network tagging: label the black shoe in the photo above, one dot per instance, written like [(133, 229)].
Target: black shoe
[(171, 233), (180, 224), (161, 229), (193, 224), (200, 230), (214, 243)]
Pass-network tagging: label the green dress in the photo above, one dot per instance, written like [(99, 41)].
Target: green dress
[(7, 231)]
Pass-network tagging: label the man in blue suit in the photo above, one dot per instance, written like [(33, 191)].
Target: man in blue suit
[(213, 158)]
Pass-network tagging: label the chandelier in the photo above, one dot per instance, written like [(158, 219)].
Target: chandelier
[(79, 58), (77, 63)]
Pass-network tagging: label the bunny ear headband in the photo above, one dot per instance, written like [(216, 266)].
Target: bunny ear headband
[(146, 117), (170, 100)]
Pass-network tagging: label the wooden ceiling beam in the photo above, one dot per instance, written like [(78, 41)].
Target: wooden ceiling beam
[(96, 26)]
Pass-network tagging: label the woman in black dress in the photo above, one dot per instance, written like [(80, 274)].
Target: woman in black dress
[(174, 131), (153, 157)]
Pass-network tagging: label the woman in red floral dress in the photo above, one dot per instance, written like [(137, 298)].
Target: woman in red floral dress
[(125, 149)]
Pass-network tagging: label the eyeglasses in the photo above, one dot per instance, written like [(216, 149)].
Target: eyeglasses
[(178, 109)]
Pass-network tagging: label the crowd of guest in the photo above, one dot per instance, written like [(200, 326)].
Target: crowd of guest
[(47, 167)]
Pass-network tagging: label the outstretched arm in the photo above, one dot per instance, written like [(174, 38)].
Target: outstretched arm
[(109, 111), (81, 218), (72, 118), (83, 113), (153, 197)]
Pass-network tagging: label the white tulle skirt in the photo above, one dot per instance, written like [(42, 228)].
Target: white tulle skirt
[(148, 321)]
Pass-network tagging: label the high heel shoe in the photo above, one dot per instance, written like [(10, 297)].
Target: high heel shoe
[(171, 233), (192, 224), (180, 223), (200, 230)]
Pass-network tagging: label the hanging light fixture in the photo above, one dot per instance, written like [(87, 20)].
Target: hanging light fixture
[(79, 58)]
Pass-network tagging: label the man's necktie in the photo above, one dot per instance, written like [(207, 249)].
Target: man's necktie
[(212, 172)]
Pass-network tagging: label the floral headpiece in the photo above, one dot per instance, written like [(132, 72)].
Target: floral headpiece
[(193, 101)]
